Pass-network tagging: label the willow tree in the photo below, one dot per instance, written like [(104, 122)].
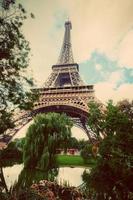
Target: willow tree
[(43, 137), (14, 50)]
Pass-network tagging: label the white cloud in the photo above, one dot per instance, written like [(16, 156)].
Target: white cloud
[(125, 51), (115, 77), (98, 67), (105, 91), (131, 73), (96, 25)]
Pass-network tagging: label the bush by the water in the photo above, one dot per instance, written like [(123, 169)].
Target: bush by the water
[(111, 178)]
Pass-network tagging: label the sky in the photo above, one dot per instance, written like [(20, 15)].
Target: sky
[(102, 42)]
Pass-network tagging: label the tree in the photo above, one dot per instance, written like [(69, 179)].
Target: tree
[(44, 136), (86, 152), (96, 119), (112, 177), (82, 143), (14, 49), (73, 143)]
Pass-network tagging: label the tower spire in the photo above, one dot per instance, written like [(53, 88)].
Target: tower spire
[(65, 72), (66, 55)]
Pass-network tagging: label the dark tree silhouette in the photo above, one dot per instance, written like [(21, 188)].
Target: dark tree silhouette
[(112, 177), (14, 50)]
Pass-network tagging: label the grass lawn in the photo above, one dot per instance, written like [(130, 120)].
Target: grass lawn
[(73, 160)]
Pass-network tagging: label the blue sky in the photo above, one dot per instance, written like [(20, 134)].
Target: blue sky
[(99, 68), (102, 42)]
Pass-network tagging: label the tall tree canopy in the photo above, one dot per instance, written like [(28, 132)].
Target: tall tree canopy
[(14, 50), (112, 177), (44, 136)]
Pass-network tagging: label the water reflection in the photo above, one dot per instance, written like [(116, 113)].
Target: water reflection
[(24, 178), (11, 174), (18, 185), (3, 185), (73, 176), (29, 176)]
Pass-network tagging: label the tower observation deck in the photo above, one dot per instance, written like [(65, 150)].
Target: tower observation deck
[(66, 71)]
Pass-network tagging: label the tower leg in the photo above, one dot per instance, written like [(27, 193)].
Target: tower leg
[(84, 125)]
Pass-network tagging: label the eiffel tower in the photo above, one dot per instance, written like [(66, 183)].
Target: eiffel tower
[(63, 92), (66, 71)]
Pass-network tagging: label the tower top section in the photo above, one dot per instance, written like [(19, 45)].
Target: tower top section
[(68, 23), (66, 55)]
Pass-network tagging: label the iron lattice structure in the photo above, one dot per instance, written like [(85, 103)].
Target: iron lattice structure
[(66, 55), (64, 91), (64, 75), (66, 71)]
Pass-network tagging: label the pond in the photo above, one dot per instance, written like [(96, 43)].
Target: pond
[(16, 174)]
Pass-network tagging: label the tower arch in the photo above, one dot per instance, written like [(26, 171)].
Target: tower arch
[(63, 91)]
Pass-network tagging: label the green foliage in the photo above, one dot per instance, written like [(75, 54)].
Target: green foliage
[(44, 160), (5, 120), (115, 120), (19, 143), (73, 143), (96, 119), (112, 177), (46, 134), (86, 152), (82, 143), (11, 153), (103, 121), (29, 176), (14, 50)]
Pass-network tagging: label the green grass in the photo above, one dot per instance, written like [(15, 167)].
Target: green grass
[(73, 160)]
